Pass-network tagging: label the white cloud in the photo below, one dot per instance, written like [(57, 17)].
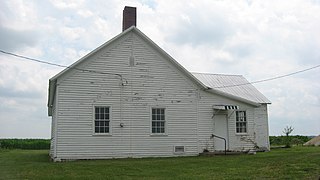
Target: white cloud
[(85, 13), (70, 4), (72, 34), (258, 39)]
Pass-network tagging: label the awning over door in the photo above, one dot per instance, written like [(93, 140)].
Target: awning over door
[(225, 107)]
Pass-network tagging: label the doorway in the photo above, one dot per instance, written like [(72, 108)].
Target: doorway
[(220, 129)]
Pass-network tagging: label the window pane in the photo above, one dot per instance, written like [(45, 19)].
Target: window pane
[(102, 120), (241, 122), (162, 124), (101, 129), (158, 120)]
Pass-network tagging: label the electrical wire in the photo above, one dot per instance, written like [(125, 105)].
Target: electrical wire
[(272, 78), (92, 71), (58, 65)]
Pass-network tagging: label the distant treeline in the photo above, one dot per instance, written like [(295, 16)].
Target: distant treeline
[(25, 143), (45, 143), (294, 140)]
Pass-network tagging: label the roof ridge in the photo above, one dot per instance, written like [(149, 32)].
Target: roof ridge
[(217, 74)]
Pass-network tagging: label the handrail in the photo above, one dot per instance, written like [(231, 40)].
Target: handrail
[(225, 142)]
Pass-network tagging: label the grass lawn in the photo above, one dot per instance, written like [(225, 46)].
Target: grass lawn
[(293, 163)]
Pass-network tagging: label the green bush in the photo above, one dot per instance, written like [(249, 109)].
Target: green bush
[(25, 143), (283, 140)]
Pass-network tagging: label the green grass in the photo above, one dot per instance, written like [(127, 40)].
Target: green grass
[(291, 163)]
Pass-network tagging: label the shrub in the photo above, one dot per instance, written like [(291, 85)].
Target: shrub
[(25, 143), (282, 140)]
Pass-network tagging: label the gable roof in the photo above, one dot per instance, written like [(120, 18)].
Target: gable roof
[(235, 85), (198, 81), (53, 80)]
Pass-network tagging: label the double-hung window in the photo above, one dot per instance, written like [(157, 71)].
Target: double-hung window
[(102, 120), (158, 121), (241, 122)]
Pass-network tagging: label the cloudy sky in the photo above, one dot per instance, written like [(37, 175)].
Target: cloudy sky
[(257, 39)]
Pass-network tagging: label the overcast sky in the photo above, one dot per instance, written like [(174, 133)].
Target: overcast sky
[(256, 39)]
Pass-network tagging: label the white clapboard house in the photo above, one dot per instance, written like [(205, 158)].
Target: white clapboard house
[(129, 98)]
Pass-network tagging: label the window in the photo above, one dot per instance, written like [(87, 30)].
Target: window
[(158, 120), (178, 149), (102, 120), (241, 122)]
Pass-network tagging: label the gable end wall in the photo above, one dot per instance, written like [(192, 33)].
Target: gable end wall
[(152, 82)]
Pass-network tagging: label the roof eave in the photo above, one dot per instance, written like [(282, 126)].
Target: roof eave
[(93, 52), (53, 80), (234, 97), (165, 54)]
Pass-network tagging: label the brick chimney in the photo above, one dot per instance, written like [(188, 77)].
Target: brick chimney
[(129, 17)]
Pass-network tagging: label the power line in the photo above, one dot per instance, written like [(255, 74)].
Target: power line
[(92, 71), (58, 65), (272, 78)]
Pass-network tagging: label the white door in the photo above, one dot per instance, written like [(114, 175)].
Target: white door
[(220, 129)]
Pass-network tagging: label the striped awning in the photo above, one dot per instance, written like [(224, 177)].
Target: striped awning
[(225, 107)]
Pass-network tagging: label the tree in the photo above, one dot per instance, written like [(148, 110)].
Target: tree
[(296, 141), (288, 130)]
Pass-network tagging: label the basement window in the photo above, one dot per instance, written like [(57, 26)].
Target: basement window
[(102, 120), (158, 121), (179, 149), (241, 122)]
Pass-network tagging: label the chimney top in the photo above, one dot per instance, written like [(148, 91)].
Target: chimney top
[(129, 17)]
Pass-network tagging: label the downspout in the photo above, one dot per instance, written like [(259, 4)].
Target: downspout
[(225, 142)]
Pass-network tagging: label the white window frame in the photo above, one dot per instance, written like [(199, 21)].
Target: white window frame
[(179, 152), (165, 121), (94, 120), (241, 120)]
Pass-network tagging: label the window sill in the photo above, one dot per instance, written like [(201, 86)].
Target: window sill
[(155, 135), (242, 134), (101, 134)]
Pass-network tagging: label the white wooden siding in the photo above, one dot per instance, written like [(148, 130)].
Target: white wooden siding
[(261, 127), (52, 141), (151, 82), (237, 142)]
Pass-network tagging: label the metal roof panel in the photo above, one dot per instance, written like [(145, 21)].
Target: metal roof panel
[(235, 85)]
